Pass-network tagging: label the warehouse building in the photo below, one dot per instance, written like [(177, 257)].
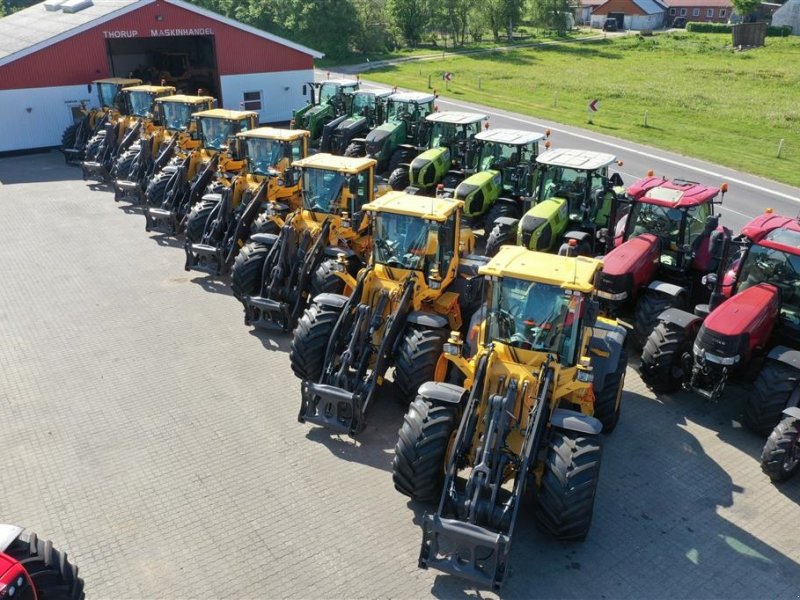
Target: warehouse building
[(50, 52)]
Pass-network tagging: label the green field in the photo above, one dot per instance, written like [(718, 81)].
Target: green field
[(702, 98)]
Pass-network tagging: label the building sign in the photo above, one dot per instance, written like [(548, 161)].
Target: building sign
[(132, 33)]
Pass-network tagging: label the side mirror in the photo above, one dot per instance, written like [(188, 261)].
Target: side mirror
[(352, 184), (716, 244), (615, 180), (291, 176), (305, 90), (712, 222)]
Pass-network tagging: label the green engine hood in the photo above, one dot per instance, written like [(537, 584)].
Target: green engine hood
[(479, 191), (541, 226), (429, 168)]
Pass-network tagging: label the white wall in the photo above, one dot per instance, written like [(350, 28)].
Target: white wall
[(277, 102), (639, 22), (788, 14), (48, 117)]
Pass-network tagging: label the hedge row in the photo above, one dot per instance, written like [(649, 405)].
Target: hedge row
[(726, 28)]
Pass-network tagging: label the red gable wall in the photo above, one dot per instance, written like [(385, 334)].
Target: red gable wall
[(82, 58)]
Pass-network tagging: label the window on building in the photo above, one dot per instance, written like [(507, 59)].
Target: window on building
[(672, 12), (710, 13), (252, 101), (683, 12), (695, 12), (722, 13)]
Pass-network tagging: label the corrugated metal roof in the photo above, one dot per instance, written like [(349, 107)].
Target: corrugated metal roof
[(699, 3), (36, 27), (650, 7)]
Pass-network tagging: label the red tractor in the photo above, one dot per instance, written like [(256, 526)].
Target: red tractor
[(751, 326), (31, 569), (661, 251)]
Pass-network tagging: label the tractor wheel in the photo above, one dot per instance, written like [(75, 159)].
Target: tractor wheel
[(157, 189), (451, 182), (400, 156), (645, 317), (94, 146), (264, 224), (123, 164), (247, 268), (353, 150), (773, 389), (53, 576), (501, 235), (421, 450), (780, 458), (197, 219), (310, 340), (664, 357), (399, 179), (565, 499), (70, 135), (416, 359), (324, 279), (502, 209), (608, 399)]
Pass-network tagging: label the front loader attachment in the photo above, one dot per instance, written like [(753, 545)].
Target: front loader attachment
[(75, 154), (97, 167), (285, 278), (471, 533), (180, 195), (133, 187)]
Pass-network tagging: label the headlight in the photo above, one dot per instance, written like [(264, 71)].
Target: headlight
[(610, 296), (715, 358)]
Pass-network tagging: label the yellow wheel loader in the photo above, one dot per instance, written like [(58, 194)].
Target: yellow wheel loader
[(172, 121), (415, 290), (523, 404), (275, 275), (258, 201), (119, 134), (172, 191)]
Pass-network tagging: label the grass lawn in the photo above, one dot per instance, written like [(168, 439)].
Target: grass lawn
[(703, 99)]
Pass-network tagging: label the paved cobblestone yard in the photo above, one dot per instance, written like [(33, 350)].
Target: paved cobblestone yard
[(152, 436)]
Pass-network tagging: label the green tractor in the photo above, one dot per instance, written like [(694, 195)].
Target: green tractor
[(366, 109), (92, 120), (326, 102), (506, 163), (448, 160), (397, 141), (573, 203)]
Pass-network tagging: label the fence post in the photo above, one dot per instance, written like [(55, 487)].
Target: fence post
[(780, 148), (645, 119), (429, 82)]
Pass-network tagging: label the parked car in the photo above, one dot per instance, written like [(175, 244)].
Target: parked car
[(679, 22), (610, 25)]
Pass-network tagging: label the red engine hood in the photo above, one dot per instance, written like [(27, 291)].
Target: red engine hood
[(752, 311), (638, 256)]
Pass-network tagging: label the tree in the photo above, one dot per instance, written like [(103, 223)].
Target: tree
[(327, 25), (551, 14), (744, 8), (411, 17)]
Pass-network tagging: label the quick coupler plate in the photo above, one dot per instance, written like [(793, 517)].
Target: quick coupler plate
[(72, 155), (265, 313), (464, 549), (127, 189), (94, 170), (328, 406), (158, 219), (202, 257)]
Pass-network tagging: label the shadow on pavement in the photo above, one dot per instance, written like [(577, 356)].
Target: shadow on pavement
[(214, 285), (166, 239), (47, 166), (275, 341)]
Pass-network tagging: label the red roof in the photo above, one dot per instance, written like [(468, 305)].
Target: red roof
[(698, 3), (672, 194), (774, 231)]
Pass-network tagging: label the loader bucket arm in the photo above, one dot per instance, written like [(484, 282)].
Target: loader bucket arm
[(165, 154), (242, 228)]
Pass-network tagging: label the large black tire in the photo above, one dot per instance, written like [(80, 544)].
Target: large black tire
[(399, 179), (608, 399), (501, 235), (565, 499), (264, 224), (774, 387), (121, 169), (501, 209), (324, 279), (69, 136), (663, 358), (246, 270), (53, 576), (197, 219), (421, 450), (780, 458), (400, 156), (157, 189), (451, 182), (645, 317), (416, 359), (94, 146), (353, 149), (310, 340)]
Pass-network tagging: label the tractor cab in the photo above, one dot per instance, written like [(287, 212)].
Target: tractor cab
[(573, 200), (217, 128), (397, 141), (108, 91), (269, 151), (326, 102), (140, 99), (175, 113), (679, 213), (365, 109), (506, 160), (449, 158)]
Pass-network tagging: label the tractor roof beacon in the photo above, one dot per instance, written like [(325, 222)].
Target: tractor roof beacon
[(540, 379)]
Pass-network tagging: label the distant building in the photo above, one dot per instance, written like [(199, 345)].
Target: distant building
[(631, 14), (583, 10), (703, 11), (788, 15)]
